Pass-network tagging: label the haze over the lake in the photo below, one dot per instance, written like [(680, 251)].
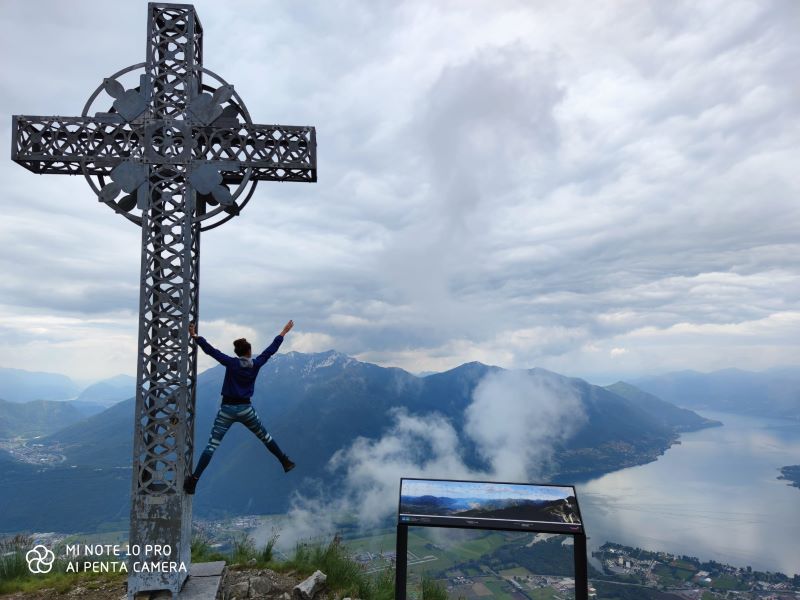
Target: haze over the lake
[(600, 189), (716, 495)]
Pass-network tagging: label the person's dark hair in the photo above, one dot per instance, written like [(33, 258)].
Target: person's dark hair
[(241, 347)]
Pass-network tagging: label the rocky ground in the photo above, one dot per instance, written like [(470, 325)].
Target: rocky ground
[(247, 584), (109, 589)]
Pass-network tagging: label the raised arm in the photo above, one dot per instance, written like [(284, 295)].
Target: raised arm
[(273, 347), (287, 328), (221, 358)]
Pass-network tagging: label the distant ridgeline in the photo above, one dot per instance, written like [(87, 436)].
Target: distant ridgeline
[(18, 385), (771, 393), (314, 404), (791, 474), (41, 417)]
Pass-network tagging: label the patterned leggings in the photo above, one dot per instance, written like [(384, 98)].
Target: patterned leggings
[(227, 415)]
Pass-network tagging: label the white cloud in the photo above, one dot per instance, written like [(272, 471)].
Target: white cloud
[(517, 418), (514, 419), (513, 183), (309, 342)]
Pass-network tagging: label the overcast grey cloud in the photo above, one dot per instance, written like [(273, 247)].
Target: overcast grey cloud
[(599, 189)]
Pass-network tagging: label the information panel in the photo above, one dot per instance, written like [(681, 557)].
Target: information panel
[(487, 505)]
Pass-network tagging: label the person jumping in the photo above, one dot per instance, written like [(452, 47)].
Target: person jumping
[(237, 389)]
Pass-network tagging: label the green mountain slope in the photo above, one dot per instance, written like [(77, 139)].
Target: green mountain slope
[(39, 417), (670, 415)]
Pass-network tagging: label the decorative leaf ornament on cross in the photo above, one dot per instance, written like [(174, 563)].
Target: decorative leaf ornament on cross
[(127, 146)]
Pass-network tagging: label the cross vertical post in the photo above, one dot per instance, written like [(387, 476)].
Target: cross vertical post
[(179, 145), (167, 368)]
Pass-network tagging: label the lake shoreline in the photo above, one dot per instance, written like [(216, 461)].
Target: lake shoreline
[(708, 495)]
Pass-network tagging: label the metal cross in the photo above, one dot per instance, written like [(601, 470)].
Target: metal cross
[(176, 153)]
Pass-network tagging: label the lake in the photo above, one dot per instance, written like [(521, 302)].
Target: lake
[(715, 496)]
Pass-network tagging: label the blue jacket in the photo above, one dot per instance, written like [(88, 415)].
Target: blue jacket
[(240, 372)]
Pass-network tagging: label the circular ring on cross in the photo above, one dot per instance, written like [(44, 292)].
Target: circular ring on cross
[(201, 144)]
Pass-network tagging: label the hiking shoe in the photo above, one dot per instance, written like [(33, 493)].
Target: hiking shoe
[(190, 483), (287, 463)]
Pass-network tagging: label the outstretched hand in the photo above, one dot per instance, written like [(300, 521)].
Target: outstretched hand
[(192, 330), (287, 327)]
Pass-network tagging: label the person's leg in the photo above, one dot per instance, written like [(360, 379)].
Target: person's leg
[(222, 423), (249, 417)]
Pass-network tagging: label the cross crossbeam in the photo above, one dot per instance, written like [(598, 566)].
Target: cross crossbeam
[(76, 145), (180, 146)]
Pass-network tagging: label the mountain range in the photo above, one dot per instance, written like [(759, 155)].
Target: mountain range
[(18, 385), (40, 417), (558, 511), (314, 405), (109, 391), (771, 393)]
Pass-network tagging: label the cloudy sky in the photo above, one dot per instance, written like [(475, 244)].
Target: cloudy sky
[(602, 189)]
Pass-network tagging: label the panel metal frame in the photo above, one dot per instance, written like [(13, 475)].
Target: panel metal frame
[(578, 536)]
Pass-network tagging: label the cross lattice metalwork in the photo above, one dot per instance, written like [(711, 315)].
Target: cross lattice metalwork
[(176, 153)]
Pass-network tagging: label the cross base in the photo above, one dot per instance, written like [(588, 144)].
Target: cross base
[(164, 520), (203, 583)]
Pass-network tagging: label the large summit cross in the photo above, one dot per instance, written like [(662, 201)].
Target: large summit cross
[(177, 153)]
